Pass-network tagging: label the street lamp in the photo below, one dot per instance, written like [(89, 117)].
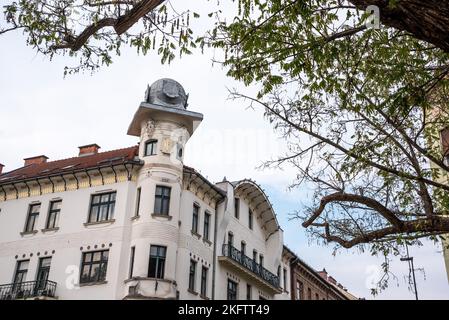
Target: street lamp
[(411, 268)]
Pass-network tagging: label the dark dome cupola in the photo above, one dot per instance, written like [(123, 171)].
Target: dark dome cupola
[(168, 93)]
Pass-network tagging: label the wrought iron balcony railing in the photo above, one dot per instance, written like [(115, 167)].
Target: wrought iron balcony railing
[(251, 265), (27, 289)]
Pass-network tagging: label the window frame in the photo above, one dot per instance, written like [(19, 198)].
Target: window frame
[(250, 219), (206, 226), (23, 272), (159, 272), (132, 255), (53, 213), (234, 292), (299, 290), (236, 208), (204, 276), (249, 294), (163, 198), (103, 266), (138, 196), (195, 218), (34, 215), (192, 274), (109, 203), (153, 143)]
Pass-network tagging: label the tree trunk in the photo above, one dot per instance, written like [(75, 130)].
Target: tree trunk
[(427, 20)]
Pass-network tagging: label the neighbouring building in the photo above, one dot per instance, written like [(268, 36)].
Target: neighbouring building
[(308, 284), (136, 223)]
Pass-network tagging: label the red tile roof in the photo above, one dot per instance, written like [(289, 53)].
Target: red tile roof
[(101, 159)]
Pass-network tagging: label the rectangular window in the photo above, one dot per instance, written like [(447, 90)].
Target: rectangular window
[(102, 207), (156, 268), (131, 262), (192, 272), (21, 271), (236, 207), (139, 191), (261, 260), (150, 148), (285, 279), (196, 210), (94, 266), (317, 297), (250, 219), (232, 290), (33, 214), (248, 292), (162, 200), (43, 272), (206, 226), (204, 272), (309, 294), (255, 256), (53, 214), (299, 290)]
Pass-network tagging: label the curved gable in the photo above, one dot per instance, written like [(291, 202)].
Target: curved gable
[(259, 204)]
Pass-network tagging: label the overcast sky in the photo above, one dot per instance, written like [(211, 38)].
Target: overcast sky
[(43, 113)]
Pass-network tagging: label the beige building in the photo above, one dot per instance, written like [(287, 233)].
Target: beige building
[(136, 223)]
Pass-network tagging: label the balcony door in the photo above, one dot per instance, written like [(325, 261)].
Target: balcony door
[(42, 273), (20, 274)]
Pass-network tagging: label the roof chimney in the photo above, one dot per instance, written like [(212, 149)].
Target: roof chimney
[(35, 160), (332, 280), (89, 149), (1, 167), (323, 274)]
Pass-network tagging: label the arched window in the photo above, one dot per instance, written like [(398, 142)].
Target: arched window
[(150, 147)]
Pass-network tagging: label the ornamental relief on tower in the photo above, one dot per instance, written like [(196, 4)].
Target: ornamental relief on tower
[(148, 129)]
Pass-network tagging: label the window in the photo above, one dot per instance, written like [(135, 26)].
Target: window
[(250, 219), (284, 280), (236, 207), (299, 292), (192, 272), (279, 273), (230, 239), (261, 260), (232, 290), (139, 192), (102, 207), (204, 272), (42, 272), (53, 214), (162, 200), (243, 247), (309, 294), (248, 292), (21, 271), (255, 256), (131, 262), (317, 297), (206, 226), (33, 214), (150, 147), (156, 267), (195, 214), (94, 266)]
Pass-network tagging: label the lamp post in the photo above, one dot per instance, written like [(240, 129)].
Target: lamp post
[(411, 269)]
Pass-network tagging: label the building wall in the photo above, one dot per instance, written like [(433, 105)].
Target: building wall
[(67, 244)]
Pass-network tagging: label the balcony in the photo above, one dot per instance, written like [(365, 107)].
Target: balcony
[(236, 259), (28, 290)]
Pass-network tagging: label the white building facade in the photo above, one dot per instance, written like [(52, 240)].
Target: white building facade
[(136, 223)]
